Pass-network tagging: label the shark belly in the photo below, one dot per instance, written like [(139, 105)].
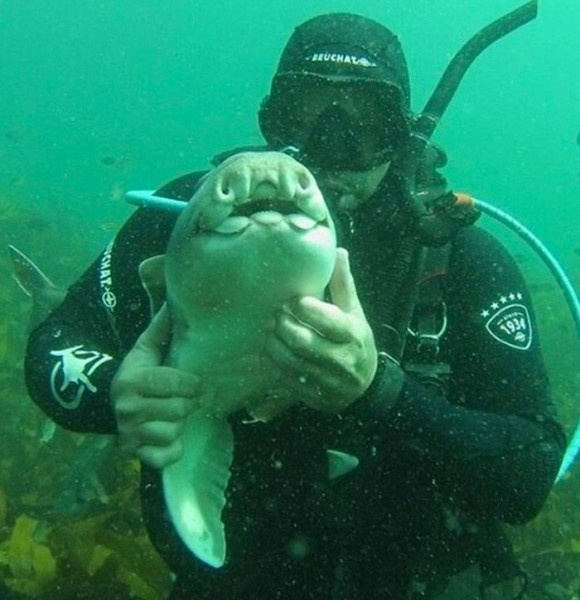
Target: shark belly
[(225, 276)]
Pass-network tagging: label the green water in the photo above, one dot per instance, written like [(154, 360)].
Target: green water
[(166, 85), (101, 96)]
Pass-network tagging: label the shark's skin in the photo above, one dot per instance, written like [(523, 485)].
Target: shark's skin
[(45, 295), (232, 261)]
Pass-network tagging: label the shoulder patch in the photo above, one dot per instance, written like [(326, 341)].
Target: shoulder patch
[(508, 321), (70, 377)]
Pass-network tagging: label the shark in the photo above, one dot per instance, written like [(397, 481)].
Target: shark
[(256, 233)]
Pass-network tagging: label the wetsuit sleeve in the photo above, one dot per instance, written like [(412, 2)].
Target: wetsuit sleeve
[(72, 356), (493, 443)]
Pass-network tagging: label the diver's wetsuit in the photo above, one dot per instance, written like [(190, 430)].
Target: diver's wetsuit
[(435, 476)]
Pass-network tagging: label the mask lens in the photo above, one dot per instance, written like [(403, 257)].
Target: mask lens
[(338, 140), (338, 127)]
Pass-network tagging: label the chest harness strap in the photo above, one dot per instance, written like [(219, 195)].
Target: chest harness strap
[(429, 322)]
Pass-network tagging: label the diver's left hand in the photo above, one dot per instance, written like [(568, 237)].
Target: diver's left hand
[(325, 352)]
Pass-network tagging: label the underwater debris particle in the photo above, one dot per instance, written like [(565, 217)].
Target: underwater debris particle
[(298, 547)]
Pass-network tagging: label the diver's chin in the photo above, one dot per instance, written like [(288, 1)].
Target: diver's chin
[(348, 202)]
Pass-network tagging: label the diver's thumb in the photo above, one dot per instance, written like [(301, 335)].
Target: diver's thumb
[(151, 346), (342, 287)]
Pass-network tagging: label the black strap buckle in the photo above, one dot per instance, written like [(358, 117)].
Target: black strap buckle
[(429, 329)]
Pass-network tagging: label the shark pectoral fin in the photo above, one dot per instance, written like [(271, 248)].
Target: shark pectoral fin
[(195, 487), (152, 274), (27, 275), (340, 463)]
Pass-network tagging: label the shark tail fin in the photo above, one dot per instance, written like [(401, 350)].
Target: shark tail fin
[(195, 487)]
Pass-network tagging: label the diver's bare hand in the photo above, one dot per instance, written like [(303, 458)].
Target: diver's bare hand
[(326, 352), (151, 401)]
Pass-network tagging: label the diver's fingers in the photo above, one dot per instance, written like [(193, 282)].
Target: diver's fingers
[(342, 287), (305, 339), (350, 343), (150, 347), (321, 363), (158, 433), (160, 457), (133, 383), (326, 319), (339, 372), (154, 438), (327, 389), (167, 382), (143, 410)]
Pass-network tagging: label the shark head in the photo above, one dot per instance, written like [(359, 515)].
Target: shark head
[(257, 229)]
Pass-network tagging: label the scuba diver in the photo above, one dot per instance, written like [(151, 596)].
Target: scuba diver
[(448, 410)]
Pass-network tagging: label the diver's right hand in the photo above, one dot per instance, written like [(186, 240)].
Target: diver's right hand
[(151, 401)]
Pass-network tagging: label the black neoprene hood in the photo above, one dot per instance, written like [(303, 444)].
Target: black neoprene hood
[(345, 46), (341, 48)]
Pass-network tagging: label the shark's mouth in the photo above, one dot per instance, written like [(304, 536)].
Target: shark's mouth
[(247, 209), (301, 215)]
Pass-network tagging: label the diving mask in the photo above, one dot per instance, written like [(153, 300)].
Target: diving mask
[(335, 126)]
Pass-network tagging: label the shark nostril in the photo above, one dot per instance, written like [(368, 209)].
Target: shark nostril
[(304, 181), (224, 192)]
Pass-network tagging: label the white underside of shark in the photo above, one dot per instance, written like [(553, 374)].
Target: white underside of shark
[(255, 234)]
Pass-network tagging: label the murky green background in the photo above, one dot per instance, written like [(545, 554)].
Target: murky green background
[(101, 96)]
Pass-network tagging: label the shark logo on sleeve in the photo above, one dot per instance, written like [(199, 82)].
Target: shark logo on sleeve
[(508, 321), (70, 376)]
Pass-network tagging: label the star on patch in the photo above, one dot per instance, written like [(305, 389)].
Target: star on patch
[(485, 313), (503, 299), (495, 306), (512, 296)]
